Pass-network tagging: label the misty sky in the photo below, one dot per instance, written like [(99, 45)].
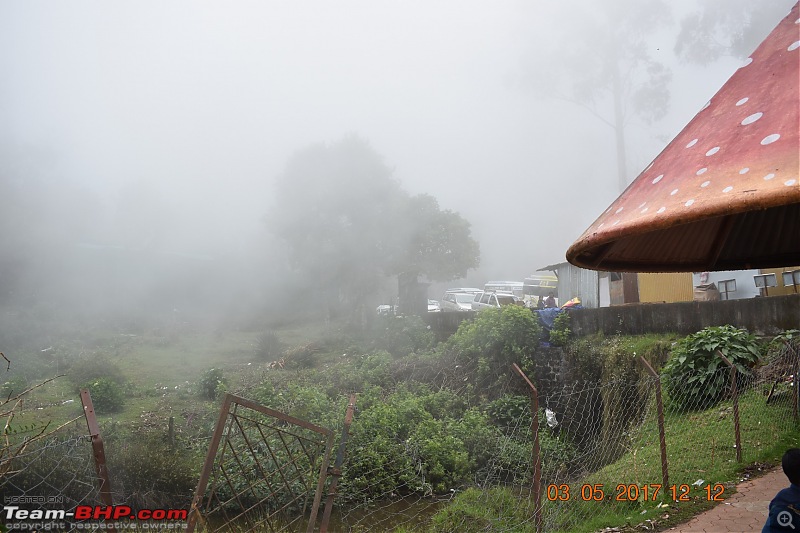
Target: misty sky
[(205, 102)]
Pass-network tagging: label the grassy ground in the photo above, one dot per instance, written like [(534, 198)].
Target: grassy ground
[(702, 465)]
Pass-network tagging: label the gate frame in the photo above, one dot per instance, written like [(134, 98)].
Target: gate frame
[(213, 448)]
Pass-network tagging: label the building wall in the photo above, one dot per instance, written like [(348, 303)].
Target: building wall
[(745, 286), (781, 288), (578, 282), (666, 287)]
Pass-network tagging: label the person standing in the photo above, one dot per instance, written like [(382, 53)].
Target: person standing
[(784, 509)]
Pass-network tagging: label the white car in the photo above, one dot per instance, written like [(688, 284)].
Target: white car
[(484, 300), (458, 299)]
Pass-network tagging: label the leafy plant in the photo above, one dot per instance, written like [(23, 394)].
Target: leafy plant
[(560, 332), (212, 384), (697, 378), (485, 348), (107, 395), (402, 335)]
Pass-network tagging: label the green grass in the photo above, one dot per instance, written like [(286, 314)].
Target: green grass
[(700, 446)]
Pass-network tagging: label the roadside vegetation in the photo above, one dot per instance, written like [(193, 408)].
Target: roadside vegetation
[(447, 421)]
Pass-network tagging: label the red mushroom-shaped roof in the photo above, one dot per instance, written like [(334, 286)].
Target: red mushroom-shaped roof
[(724, 194)]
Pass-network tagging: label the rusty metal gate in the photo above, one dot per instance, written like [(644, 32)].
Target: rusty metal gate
[(264, 471)]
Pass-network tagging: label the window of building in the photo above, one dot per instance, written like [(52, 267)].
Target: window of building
[(726, 287)]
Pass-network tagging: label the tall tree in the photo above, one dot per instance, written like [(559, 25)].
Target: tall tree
[(348, 224), (602, 62), (727, 28)]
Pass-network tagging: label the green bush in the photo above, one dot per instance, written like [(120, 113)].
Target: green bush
[(560, 332), (696, 377), (402, 335), (212, 384), (148, 474), (107, 395), (269, 347), (94, 367), (484, 349)]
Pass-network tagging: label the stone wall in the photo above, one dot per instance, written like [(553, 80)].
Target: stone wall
[(764, 316)]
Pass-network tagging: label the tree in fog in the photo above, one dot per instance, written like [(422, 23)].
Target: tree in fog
[(602, 62), (348, 224), (727, 28)]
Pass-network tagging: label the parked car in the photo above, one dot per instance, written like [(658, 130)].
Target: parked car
[(385, 310), (458, 299), (485, 299), (433, 306)]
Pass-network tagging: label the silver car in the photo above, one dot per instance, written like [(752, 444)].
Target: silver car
[(458, 300)]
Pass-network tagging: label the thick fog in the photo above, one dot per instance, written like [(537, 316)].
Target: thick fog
[(142, 140)]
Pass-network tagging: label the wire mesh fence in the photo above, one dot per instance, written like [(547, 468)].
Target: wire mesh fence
[(599, 449), (56, 467)]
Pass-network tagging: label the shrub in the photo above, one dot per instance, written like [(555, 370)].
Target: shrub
[(697, 378), (95, 367), (107, 395), (269, 347), (485, 348), (402, 335), (148, 474), (559, 333), (212, 384)]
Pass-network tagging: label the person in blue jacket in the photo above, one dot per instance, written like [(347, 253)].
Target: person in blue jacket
[(784, 509)]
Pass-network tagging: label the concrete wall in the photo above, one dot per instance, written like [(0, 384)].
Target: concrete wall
[(759, 315)]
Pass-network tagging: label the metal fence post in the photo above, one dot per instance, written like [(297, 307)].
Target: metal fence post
[(662, 435), (97, 450), (194, 510), (336, 471), (535, 454), (735, 394)]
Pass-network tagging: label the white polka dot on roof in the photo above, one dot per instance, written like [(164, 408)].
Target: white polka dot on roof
[(691, 143), (674, 192), (769, 176), (742, 101), (642, 205), (689, 203), (790, 183), (727, 189), (752, 118), (657, 178), (747, 62), (645, 210), (701, 171), (661, 210), (615, 223), (713, 151), (618, 211), (769, 139), (745, 170), (705, 184), (705, 106), (794, 46)]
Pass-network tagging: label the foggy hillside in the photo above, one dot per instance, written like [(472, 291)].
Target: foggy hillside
[(141, 143)]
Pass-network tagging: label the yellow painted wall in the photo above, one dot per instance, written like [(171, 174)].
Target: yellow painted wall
[(665, 287), (780, 289)]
